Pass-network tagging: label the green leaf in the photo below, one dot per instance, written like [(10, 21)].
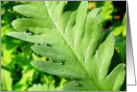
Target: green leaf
[(121, 29), (6, 80), (26, 79), (71, 38), (121, 50), (108, 9)]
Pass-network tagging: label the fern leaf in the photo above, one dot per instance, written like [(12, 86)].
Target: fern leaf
[(65, 32)]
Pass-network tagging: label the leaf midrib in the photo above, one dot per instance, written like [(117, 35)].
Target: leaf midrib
[(90, 76)]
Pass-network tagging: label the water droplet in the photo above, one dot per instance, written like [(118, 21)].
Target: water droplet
[(50, 60), (60, 62), (76, 83), (44, 43), (55, 20), (28, 33)]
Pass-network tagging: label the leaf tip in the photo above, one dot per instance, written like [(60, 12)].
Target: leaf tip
[(33, 47), (10, 34), (13, 23), (16, 8), (34, 63)]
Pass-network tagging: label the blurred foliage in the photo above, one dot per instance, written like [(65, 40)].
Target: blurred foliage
[(114, 19), (120, 29), (16, 72)]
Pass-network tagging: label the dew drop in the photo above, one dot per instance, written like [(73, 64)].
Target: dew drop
[(50, 60), (76, 83), (60, 62), (44, 43), (28, 33), (55, 20)]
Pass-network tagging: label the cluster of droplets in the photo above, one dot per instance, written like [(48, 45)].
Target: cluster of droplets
[(58, 62), (45, 44), (50, 60), (41, 43)]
